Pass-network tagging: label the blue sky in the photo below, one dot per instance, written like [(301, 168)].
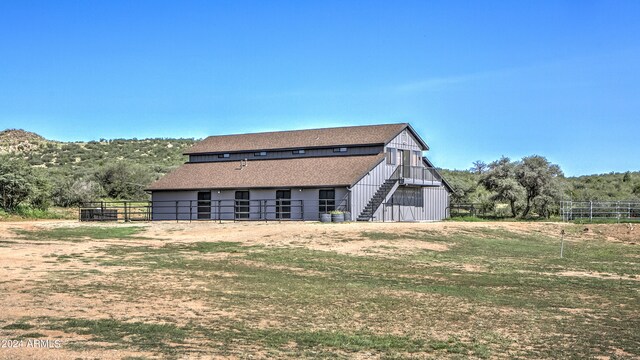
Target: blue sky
[(477, 79)]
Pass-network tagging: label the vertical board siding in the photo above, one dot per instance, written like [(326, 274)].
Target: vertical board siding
[(405, 141), (165, 204), (435, 207), (364, 189)]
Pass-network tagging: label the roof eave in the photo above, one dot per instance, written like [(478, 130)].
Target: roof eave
[(253, 187), (281, 149), (444, 181)]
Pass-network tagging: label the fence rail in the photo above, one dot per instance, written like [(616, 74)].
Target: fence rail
[(475, 210), (217, 210), (620, 210)]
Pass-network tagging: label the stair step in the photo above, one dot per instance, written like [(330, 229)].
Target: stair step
[(376, 200)]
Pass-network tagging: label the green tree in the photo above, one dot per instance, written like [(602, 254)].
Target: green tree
[(41, 196), (463, 188), (536, 175), (19, 184), (547, 202), (500, 179), (123, 180), (70, 192), (479, 167)]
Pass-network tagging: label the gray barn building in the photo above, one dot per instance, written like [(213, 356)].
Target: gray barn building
[(375, 173)]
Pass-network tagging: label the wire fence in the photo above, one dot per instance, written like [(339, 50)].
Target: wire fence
[(477, 210), (216, 210), (600, 210)]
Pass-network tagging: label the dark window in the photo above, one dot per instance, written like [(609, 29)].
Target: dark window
[(283, 204), (261, 153), (342, 149), (223, 155), (407, 197), (417, 156), (204, 205), (298, 151), (242, 205), (327, 200), (405, 162), (391, 156)]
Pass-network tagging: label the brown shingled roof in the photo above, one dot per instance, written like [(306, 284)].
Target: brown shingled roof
[(302, 172), (327, 137)]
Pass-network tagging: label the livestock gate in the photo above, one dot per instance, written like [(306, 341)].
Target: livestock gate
[(600, 210)]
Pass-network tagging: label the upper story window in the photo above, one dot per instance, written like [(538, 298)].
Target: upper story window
[(391, 156), (223, 155), (261, 153), (301, 151), (342, 149), (417, 158)]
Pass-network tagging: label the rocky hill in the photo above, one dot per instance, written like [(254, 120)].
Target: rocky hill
[(19, 141), (80, 158)]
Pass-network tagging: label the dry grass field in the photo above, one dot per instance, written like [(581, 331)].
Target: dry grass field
[(309, 290)]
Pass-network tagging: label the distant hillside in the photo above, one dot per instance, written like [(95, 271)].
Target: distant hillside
[(73, 160), (612, 186), (606, 187), (80, 158), (17, 140)]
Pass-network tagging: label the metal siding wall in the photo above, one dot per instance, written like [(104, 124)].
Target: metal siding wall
[(262, 194), (405, 141), (436, 203), (369, 150), (224, 212), (364, 190), (164, 204), (434, 208), (311, 204), (310, 197)]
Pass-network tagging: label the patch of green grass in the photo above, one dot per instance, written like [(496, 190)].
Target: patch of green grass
[(34, 335), (309, 339), (18, 326), (82, 233), (455, 346), (379, 235), (171, 256), (606, 221), (26, 212), (166, 337), (467, 218), (159, 337)]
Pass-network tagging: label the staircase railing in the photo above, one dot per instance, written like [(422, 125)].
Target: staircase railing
[(396, 175)]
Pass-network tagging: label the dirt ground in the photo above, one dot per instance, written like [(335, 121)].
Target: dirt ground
[(26, 264)]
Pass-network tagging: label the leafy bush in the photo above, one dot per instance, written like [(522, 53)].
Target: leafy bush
[(20, 184), (124, 180), (71, 193)]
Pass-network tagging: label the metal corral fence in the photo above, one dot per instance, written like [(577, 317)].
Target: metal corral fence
[(581, 210), (476, 210), (217, 210), (480, 210)]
